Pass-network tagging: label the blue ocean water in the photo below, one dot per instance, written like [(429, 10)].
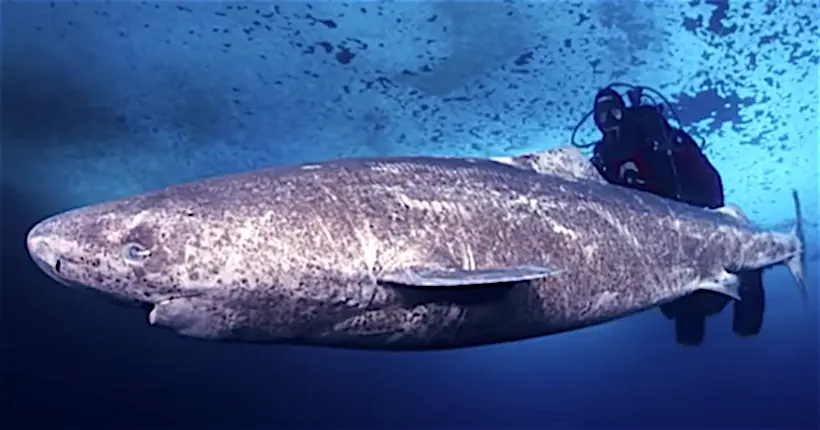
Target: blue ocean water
[(105, 99)]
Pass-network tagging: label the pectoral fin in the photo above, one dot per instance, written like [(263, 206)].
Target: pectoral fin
[(443, 278), (724, 283)]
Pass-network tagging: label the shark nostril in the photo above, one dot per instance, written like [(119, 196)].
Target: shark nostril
[(57, 266)]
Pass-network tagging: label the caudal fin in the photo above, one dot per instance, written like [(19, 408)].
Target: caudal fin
[(797, 263)]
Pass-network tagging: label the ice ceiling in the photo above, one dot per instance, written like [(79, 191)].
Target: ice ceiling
[(102, 99)]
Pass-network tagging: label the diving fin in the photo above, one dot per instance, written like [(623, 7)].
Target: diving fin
[(444, 278), (690, 330), (669, 310), (724, 283), (690, 314), (747, 318)]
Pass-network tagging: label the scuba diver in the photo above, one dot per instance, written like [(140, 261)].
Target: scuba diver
[(640, 149)]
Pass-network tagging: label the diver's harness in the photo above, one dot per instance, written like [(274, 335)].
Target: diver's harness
[(635, 95)]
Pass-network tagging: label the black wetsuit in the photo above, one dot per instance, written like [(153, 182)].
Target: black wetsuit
[(641, 150)]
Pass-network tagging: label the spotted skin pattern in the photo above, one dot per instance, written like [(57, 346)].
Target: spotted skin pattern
[(294, 255)]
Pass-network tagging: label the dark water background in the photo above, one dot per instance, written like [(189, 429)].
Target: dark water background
[(101, 100)]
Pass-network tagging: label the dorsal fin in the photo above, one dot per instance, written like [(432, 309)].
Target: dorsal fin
[(567, 162)]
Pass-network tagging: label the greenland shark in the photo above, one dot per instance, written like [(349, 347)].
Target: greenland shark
[(689, 313), (403, 253)]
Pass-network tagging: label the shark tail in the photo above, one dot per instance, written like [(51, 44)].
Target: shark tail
[(797, 263)]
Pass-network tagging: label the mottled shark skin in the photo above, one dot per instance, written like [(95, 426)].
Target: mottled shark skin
[(410, 253)]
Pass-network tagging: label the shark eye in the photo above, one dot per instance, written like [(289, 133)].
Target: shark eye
[(135, 252)]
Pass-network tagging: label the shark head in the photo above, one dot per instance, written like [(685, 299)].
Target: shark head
[(134, 250), (186, 258)]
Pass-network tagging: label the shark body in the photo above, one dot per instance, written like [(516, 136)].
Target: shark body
[(402, 253)]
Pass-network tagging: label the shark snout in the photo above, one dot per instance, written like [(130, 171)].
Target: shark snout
[(43, 250)]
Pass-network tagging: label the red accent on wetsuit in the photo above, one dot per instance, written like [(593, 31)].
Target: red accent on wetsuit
[(700, 183)]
